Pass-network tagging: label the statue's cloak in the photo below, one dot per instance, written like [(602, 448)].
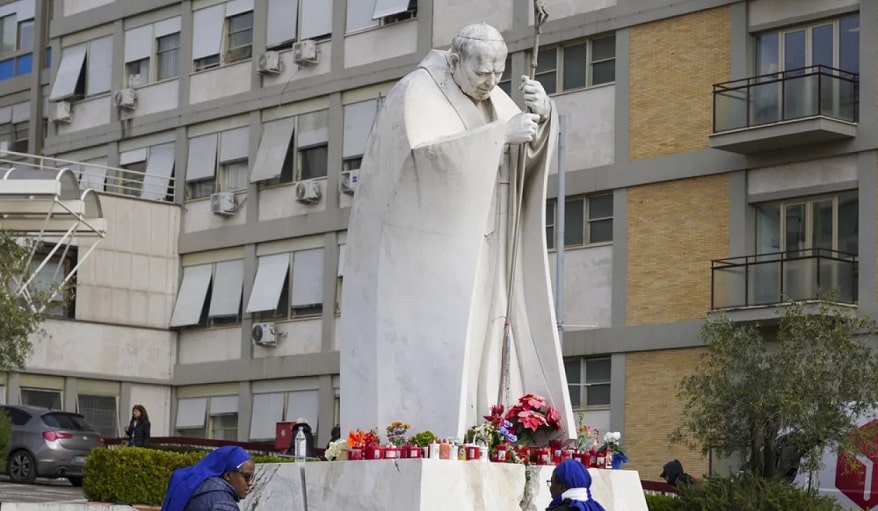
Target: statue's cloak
[(425, 278)]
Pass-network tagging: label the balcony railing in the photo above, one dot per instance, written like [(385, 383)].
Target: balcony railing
[(767, 279), (811, 91), (155, 184)]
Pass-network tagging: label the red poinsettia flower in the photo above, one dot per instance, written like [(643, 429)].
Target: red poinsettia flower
[(553, 418), (532, 401), (496, 415), (531, 420)]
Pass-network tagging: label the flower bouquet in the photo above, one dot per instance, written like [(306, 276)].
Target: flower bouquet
[(613, 449), (532, 417), (367, 442)]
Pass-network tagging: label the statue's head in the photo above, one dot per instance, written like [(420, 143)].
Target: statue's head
[(477, 59)]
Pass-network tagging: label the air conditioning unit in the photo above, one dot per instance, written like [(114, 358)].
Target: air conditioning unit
[(62, 111), (125, 99), (269, 63), (263, 334), (308, 192), (305, 52), (348, 181), (223, 203)]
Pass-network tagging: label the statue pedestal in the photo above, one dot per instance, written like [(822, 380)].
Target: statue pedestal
[(425, 485)]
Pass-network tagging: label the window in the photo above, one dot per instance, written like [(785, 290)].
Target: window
[(131, 182), (100, 412), (588, 380), (138, 72), (358, 120), (313, 163), (41, 397), (305, 139), (587, 220), (833, 43), (85, 70), (364, 14), (167, 55), (295, 20), (223, 424), (827, 222), (577, 65), (269, 409), (147, 175), (159, 41), (191, 415), (210, 295), (16, 39), (53, 273), (20, 136), (240, 37), (283, 290), (218, 162)]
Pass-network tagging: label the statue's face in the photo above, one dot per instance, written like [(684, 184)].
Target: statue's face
[(478, 73)]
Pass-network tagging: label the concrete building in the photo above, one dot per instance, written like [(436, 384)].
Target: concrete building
[(241, 122)]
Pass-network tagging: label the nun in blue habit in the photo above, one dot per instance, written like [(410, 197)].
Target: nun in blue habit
[(570, 487), (216, 483)]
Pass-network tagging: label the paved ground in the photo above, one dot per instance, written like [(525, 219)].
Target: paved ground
[(44, 490)]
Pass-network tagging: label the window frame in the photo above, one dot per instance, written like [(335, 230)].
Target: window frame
[(809, 203), (551, 62), (162, 53), (585, 381), (587, 220), (301, 159), (229, 34), (285, 310)]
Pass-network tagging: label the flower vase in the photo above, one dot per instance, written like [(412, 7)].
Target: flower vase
[(355, 454), (619, 460)]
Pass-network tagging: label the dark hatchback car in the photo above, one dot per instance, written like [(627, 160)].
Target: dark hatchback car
[(48, 443)]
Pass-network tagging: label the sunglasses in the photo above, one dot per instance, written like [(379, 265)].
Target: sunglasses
[(248, 476)]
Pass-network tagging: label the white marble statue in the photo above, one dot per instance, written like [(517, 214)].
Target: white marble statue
[(429, 253)]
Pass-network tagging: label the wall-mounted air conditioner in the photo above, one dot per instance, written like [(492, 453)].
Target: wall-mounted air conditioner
[(125, 99), (62, 111), (348, 181), (223, 203), (264, 334), (308, 192), (305, 52), (269, 63)]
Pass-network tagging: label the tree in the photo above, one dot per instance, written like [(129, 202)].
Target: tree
[(775, 396), (17, 319)]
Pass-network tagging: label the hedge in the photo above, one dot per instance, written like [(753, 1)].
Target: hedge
[(135, 475), (661, 503)]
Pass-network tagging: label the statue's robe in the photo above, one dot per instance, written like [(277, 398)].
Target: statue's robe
[(428, 251)]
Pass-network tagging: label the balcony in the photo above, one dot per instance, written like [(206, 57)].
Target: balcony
[(792, 108), (764, 280)]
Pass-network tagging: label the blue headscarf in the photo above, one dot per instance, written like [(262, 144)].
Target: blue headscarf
[(572, 474), (186, 480)]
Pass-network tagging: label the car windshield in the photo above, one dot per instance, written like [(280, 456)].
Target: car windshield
[(67, 421)]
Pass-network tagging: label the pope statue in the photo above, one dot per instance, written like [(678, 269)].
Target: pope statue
[(431, 278)]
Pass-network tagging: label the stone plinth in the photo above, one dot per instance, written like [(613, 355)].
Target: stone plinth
[(425, 485)]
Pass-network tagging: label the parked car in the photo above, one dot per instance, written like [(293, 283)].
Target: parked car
[(48, 443)]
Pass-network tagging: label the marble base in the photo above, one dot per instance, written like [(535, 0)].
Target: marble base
[(425, 485)]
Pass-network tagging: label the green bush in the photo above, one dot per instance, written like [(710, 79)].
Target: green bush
[(139, 476), (747, 491), (5, 439), (662, 503)]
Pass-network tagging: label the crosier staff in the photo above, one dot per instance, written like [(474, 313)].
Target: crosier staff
[(540, 17)]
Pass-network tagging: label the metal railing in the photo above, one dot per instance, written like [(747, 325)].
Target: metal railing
[(787, 95), (100, 178), (766, 279)]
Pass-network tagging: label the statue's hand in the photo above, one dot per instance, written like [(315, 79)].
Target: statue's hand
[(535, 97), (522, 128)]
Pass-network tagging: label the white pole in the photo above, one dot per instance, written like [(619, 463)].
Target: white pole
[(559, 229)]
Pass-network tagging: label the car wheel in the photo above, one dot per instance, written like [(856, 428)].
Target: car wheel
[(21, 467), (75, 480)]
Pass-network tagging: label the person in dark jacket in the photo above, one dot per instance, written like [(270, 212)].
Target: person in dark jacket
[(673, 473), (570, 487), (216, 483), (138, 428)]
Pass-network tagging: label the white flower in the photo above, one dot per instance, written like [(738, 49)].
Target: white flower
[(617, 436), (333, 452)]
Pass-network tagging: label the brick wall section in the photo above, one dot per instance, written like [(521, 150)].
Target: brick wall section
[(675, 228), (674, 64), (652, 411)]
